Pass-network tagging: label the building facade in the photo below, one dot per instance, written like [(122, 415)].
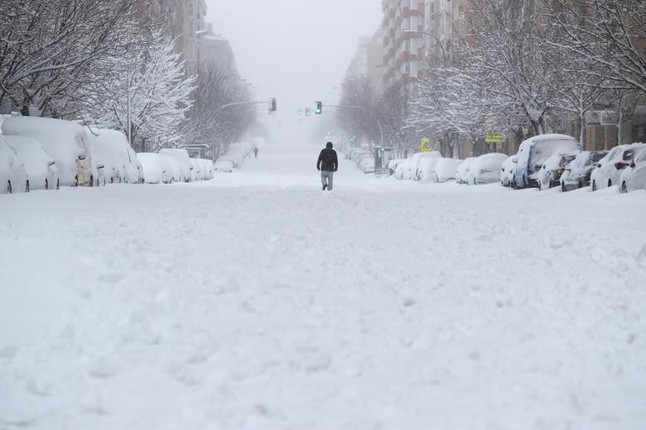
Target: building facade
[(403, 50), (215, 49), (367, 62)]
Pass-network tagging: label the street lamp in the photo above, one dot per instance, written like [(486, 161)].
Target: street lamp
[(432, 36), (196, 33)]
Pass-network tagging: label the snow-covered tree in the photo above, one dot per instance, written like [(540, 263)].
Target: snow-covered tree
[(150, 90), (357, 112), (49, 48), (609, 33), (223, 109)]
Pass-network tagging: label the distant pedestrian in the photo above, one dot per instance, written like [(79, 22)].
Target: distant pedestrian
[(327, 163), (255, 152)]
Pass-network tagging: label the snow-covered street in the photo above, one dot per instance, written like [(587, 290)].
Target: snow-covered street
[(257, 301)]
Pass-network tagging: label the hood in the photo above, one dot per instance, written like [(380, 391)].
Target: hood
[(328, 145)]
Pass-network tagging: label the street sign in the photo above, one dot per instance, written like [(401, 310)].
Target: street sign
[(425, 145), (494, 138)]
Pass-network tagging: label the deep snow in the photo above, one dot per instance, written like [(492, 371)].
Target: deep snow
[(257, 301)]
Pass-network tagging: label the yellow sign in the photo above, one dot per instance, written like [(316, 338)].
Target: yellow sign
[(425, 145), (495, 138)]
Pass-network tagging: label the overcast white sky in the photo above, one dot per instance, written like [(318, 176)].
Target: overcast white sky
[(296, 50)]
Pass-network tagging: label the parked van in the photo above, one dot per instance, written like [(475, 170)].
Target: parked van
[(65, 141), (534, 151)]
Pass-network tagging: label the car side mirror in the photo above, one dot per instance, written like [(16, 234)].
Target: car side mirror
[(632, 164), (51, 163), (568, 168), (514, 160), (100, 166)]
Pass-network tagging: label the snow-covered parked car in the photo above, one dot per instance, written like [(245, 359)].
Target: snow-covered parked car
[(634, 176), (426, 169), (577, 172), (404, 169), (207, 168), (238, 152), (392, 165), (366, 163), (42, 173), (608, 170), (13, 177), (65, 141), (156, 168), (112, 150), (223, 165), (196, 170), (462, 172), (134, 168), (550, 174), (416, 168), (507, 172), (446, 169), (533, 152), (181, 163), (486, 168)]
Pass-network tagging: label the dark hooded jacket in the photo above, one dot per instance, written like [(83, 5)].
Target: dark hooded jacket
[(328, 160)]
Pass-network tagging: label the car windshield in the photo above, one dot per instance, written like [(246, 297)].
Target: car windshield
[(596, 156)]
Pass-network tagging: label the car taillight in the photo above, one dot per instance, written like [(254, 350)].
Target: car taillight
[(620, 165), (559, 172)]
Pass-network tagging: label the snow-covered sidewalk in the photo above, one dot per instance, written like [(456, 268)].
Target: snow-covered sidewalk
[(257, 301)]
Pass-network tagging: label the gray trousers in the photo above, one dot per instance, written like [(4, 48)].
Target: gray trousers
[(327, 178)]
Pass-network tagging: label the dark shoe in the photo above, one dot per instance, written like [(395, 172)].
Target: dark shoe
[(324, 187)]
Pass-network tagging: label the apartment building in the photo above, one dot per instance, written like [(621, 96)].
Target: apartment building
[(403, 49), (184, 21), (367, 62), (215, 49)]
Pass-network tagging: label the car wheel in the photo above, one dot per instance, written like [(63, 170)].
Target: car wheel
[(9, 189), (624, 187), (91, 180), (58, 184), (563, 187), (76, 180), (580, 184), (46, 184), (594, 185), (27, 186), (609, 183)]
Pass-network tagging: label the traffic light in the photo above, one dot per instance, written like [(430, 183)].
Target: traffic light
[(272, 104), (319, 108)]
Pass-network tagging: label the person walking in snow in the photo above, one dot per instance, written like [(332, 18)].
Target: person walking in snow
[(327, 163), (255, 152)]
